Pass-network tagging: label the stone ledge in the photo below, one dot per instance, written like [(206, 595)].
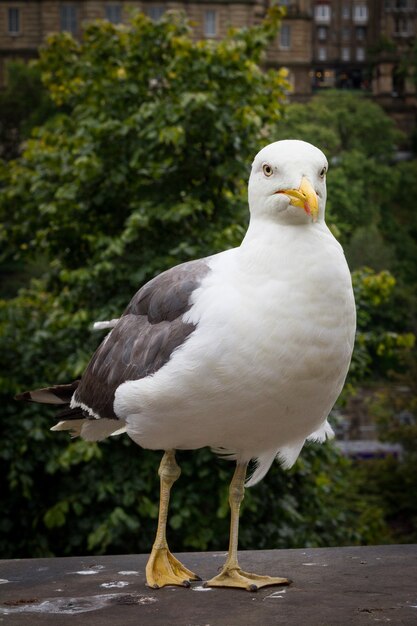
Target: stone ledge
[(332, 587)]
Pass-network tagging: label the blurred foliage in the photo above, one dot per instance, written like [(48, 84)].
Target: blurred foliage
[(380, 346), (24, 104), (392, 482), (342, 122), (144, 165)]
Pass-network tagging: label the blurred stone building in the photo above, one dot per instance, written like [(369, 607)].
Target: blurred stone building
[(355, 44)]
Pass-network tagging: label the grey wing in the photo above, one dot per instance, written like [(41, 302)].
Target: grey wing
[(143, 339)]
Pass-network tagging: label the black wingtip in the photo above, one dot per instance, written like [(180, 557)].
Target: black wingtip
[(56, 394), (23, 396)]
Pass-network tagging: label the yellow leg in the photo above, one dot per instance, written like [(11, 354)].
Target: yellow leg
[(163, 568), (231, 574)]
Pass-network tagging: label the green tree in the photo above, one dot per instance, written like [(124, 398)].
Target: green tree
[(24, 104), (359, 140), (392, 482), (341, 122), (399, 220), (382, 346)]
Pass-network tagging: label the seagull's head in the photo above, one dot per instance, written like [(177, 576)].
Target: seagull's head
[(288, 183)]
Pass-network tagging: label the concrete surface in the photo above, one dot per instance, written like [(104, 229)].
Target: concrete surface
[(331, 587)]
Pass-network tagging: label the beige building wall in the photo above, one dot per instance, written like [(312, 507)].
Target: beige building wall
[(297, 47), (397, 24), (38, 19), (29, 35), (292, 49)]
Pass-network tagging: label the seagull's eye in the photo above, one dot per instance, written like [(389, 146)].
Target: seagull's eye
[(323, 172), (267, 169)]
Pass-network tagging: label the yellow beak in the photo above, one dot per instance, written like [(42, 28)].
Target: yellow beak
[(304, 197)]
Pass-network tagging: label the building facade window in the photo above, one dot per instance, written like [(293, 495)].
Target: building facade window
[(155, 12), (360, 54), (68, 15), (402, 26), (322, 33), (345, 33), (360, 13), (322, 13), (113, 13), (285, 37), (210, 23), (360, 33), (14, 21), (345, 54), (322, 53), (346, 12)]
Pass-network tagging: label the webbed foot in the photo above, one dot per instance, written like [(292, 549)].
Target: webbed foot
[(235, 577), (164, 569)]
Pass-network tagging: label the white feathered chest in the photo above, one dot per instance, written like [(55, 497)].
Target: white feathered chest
[(275, 323)]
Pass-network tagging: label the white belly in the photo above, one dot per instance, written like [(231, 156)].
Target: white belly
[(265, 365)]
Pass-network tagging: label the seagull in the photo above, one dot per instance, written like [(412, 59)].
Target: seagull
[(245, 351)]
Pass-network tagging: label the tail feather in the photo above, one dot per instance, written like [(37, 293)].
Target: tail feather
[(90, 429), (56, 394), (74, 427), (76, 420)]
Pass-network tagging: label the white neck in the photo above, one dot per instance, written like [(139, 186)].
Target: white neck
[(268, 244), (268, 232)]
